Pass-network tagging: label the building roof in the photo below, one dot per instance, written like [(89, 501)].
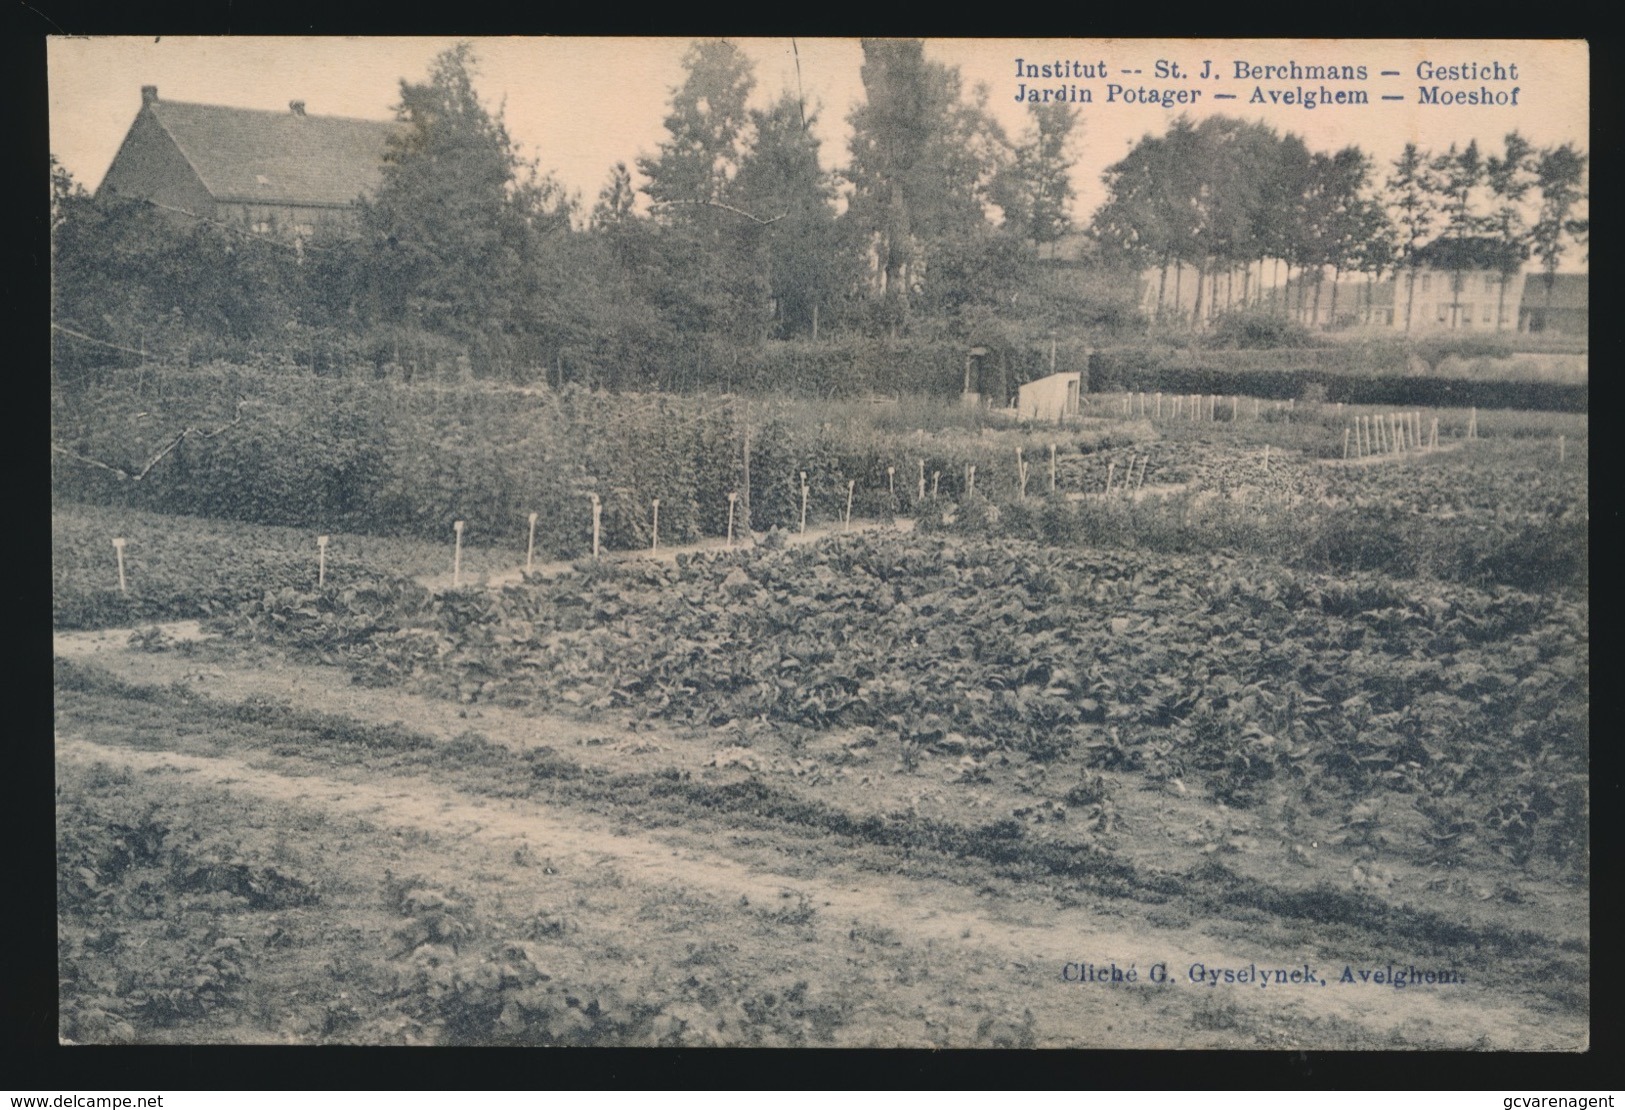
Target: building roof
[(1570, 291), (1477, 252), (248, 155)]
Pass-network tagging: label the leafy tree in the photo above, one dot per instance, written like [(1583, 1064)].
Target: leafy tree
[(1036, 192), (1559, 175), (615, 200), (1410, 196), (1510, 176), (459, 220), (705, 127), (781, 184), (712, 290), (1457, 174), (923, 163), (1342, 216)]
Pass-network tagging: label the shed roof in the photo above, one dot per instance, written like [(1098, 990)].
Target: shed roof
[(249, 155)]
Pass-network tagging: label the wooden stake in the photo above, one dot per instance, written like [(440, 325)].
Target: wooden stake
[(936, 477), (1052, 468), (1560, 448), (321, 561), (732, 497), (1266, 457), (1111, 468), (891, 485), (654, 531), (457, 555), (1345, 444), (851, 484), (118, 546), (1159, 406), (922, 480), (597, 519), (1145, 460), (803, 502), (970, 480), (1021, 473), (530, 544)]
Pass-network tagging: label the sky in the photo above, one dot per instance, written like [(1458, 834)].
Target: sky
[(579, 105)]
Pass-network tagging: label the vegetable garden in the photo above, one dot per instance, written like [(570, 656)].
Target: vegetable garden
[(1291, 705)]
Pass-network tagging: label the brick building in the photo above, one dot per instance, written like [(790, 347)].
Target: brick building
[(283, 173)]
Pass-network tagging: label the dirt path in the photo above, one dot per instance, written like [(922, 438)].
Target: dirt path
[(1027, 943)]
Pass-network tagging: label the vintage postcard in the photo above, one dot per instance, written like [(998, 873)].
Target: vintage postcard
[(822, 542)]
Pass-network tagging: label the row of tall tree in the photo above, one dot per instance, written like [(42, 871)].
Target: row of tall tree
[(1234, 201), (741, 235), (469, 254)]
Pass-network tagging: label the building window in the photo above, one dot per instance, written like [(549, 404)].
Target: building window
[(1466, 317), (1490, 282), (1487, 314), (1427, 279), (1442, 313)]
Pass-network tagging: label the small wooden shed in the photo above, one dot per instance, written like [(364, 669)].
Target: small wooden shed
[(1054, 397)]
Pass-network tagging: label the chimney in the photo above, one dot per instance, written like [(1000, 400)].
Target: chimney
[(297, 107), (149, 95)]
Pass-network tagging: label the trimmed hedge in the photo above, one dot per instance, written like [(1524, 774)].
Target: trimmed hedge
[(1115, 371)]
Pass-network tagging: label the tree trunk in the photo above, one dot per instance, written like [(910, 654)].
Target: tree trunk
[(1162, 285), (1196, 308)]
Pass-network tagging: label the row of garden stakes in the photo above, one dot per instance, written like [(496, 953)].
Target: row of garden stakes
[(1391, 434), (1194, 404)]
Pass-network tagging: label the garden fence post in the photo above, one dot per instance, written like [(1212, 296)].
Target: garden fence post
[(1021, 475), (597, 520), (922, 481), (803, 502), (1111, 468), (1266, 457), (1159, 406), (321, 561), (970, 480), (654, 531), (1052, 468), (891, 484), (851, 484), (1345, 444), (732, 497), (530, 545), (118, 546), (936, 477), (457, 555)]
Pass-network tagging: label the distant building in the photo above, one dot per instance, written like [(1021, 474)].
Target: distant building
[(1472, 284), (1563, 306), (284, 173)]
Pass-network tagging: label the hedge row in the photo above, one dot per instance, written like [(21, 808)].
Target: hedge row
[(1114, 371), (385, 459)]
